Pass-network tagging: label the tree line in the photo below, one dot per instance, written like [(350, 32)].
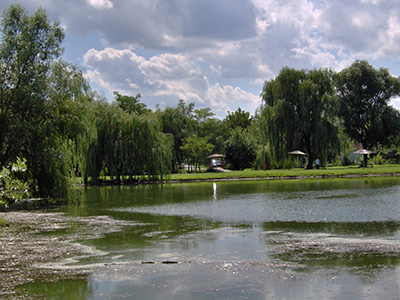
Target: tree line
[(54, 126), (323, 112)]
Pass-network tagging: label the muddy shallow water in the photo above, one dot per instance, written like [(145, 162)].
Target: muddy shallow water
[(303, 239), (33, 238)]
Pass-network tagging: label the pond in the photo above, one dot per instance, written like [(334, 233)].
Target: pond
[(276, 239)]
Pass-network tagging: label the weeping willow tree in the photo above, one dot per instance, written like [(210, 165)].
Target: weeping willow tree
[(127, 144), (72, 97), (299, 114), (104, 154)]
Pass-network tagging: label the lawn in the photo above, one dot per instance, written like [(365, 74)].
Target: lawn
[(348, 171)]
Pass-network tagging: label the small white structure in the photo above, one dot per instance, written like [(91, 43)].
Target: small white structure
[(216, 160)]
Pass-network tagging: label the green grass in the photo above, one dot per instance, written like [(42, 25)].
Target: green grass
[(348, 171), (3, 223), (377, 170)]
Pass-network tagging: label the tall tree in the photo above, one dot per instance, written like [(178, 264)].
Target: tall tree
[(364, 95), (30, 45), (71, 99), (131, 104), (179, 122), (196, 150), (240, 149), (203, 114), (127, 144), (299, 114), (239, 118), (211, 128)]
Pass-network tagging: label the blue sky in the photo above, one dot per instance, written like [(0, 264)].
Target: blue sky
[(217, 54)]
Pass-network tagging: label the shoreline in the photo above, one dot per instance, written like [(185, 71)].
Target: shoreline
[(38, 203), (284, 177), (251, 175)]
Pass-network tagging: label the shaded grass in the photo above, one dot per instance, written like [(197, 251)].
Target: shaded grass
[(348, 171)]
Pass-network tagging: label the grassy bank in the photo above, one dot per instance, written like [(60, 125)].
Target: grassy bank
[(349, 171)]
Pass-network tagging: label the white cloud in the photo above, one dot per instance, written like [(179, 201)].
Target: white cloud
[(389, 40), (114, 69), (396, 102), (161, 78), (101, 4), (205, 50), (299, 34), (170, 66), (229, 98)]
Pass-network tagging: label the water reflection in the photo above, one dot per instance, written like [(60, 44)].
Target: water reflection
[(356, 229), (363, 245), (64, 289), (332, 239), (335, 205)]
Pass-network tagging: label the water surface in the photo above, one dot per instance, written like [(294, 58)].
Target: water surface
[(292, 239)]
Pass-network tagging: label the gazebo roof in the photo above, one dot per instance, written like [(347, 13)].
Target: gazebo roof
[(363, 151), (216, 156)]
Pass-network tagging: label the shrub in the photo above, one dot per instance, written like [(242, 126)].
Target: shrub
[(240, 149), (12, 187)]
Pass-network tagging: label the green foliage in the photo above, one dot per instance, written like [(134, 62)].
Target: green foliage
[(50, 117), (12, 186), (196, 149), (203, 114), (210, 128), (299, 114), (240, 149), (378, 159), (44, 102), (239, 118), (179, 122), (29, 110), (29, 46), (127, 144), (131, 104), (70, 105), (364, 95), (162, 153)]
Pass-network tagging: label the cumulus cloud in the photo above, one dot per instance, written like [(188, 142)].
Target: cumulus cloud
[(229, 98), (247, 40), (163, 79), (101, 4), (200, 50), (118, 68), (328, 34), (268, 28)]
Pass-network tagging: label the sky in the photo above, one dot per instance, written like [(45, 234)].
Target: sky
[(218, 53)]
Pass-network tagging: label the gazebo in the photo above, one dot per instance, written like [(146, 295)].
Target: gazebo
[(365, 153), (296, 153), (216, 160)]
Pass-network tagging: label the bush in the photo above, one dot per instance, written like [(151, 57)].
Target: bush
[(378, 159), (240, 149), (12, 187)]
